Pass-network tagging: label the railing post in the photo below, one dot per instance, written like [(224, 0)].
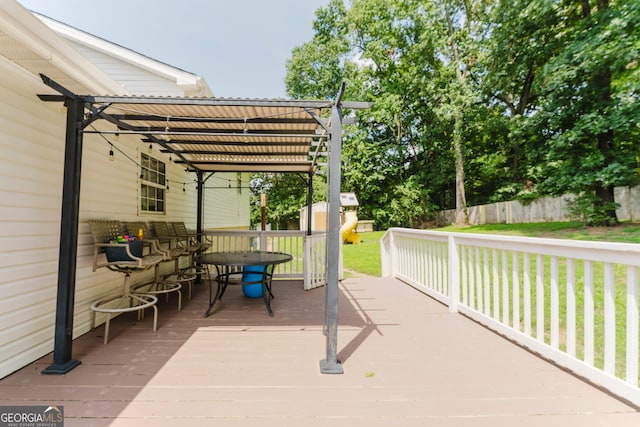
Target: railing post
[(453, 274), (386, 254)]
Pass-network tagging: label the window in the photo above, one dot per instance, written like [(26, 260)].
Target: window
[(152, 184)]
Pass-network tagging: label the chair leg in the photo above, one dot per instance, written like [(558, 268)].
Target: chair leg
[(92, 325), (155, 318), (106, 328)]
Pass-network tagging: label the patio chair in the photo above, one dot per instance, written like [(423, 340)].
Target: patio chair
[(126, 259), (194, 246), (159, 285), (201, 241), (176, 248), (195, 243)]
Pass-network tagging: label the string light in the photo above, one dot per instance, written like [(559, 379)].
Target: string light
[(111, 156)]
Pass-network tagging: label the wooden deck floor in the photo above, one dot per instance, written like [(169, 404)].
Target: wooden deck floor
[(407, 362)]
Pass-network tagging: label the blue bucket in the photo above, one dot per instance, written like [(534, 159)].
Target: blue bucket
[(252, 273)]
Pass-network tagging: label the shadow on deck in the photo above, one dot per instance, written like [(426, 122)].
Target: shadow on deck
[(407, 361)]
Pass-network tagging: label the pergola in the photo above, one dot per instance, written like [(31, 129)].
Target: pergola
[(206, 135)]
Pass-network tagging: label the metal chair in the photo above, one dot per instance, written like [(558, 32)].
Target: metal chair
[(175, 248), (125, 259), (194, 246), (159, 285)]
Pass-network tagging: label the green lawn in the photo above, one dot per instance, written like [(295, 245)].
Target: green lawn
[(624, 232), (363, 258)]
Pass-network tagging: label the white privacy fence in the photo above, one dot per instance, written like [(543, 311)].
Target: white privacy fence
[(573, 302), (308, 252)]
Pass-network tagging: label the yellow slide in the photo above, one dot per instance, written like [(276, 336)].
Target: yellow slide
[(348, 229)]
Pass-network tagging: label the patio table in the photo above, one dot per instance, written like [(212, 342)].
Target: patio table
[(226, 264)]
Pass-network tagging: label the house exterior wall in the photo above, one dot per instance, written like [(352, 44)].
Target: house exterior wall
[(32, 138), (32, 141)]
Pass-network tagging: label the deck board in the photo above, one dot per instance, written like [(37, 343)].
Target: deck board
[(408, 361)]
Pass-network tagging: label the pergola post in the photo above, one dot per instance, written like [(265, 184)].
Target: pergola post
[(62, 361), (200, 206), (331, 364), (309, 204)]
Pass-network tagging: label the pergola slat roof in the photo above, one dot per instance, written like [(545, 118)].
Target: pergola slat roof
[(217, 134)]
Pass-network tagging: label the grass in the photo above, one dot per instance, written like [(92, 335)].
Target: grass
[(363, 258), (624, 232)]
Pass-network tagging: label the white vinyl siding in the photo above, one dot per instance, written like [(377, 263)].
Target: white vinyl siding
[(31, 137), (135, 80)]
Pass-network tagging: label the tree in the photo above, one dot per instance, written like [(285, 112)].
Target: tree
[(285, 194), (584, 115), (480, 101)]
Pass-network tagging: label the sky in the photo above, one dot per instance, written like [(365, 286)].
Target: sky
[(240, 47)]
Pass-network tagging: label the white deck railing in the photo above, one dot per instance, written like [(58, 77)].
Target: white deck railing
[(308, 252), (573, 302)]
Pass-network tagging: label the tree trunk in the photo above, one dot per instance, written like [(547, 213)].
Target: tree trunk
[(461, 199)]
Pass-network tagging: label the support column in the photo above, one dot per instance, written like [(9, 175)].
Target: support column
[(62, 361), (309, 204), (200, 206), (331, 365)]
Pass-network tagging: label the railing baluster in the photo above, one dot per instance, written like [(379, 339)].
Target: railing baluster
[(609, 319), (589, 307), (465, 281), (472, 278), (505, 288), (540, 321), (487, 284), (571, 307), (496, 285), (515, 274), (555, 304), (527, 293), (478, 279), (632, 326)]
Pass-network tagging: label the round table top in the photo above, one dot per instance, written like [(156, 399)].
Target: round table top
[(244, 258)]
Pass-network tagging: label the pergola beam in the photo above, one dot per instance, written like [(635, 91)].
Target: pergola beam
[(160, 131), (212, 102), (233, 120)]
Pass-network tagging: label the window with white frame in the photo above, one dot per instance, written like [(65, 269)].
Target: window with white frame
[(153, 184)]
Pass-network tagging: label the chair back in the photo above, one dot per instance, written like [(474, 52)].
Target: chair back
[(105, 230), (180, 230), (133, 227)]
